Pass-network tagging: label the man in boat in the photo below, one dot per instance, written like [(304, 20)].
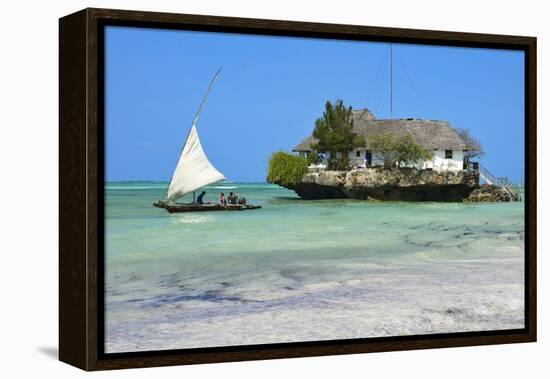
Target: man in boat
[(241, 201), (232, 198), (199, 198), (222, 199)]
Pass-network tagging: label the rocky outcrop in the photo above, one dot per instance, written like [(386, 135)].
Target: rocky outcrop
[(491, 193), (409, 184), (321, 184), (404, 184)]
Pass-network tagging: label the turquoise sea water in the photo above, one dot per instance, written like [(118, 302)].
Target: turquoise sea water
[(300, 270)]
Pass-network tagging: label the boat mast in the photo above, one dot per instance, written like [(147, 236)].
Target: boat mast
[(195, 119), (206, 95)]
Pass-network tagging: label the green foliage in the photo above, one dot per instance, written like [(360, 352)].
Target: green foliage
[(286, 169), (383, 146), (334, 131), (313, 158), (409, 152), (397, 151)]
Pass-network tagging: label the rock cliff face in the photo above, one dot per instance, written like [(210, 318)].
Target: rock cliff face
[(491, 193), (405, 184)]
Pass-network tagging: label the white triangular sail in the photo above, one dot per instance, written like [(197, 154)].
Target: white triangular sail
[(193, 170)]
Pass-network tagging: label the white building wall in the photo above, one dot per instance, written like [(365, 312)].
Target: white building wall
[(438, 163), (354, 160), (360, 161)]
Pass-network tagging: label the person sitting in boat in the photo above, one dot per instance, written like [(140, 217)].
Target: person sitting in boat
[(232, 198), (222, 199), (199, 198), (242, 201)]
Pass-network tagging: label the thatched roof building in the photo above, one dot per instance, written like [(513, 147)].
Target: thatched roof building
[(429, 134)]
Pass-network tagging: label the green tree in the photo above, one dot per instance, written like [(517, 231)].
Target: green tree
[(313, 158), (383, 147), (334, 132), (397, 151), (473, 146), (409, 152), (286, 169)]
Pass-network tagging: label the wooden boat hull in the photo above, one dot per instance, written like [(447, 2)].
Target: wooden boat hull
[(179, 208)]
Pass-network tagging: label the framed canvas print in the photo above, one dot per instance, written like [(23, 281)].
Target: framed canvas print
[(237, 189)]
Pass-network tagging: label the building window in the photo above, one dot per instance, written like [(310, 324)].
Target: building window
[(358, 154), (448, 154)]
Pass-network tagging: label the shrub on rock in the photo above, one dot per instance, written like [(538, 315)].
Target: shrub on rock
[(286, 169)]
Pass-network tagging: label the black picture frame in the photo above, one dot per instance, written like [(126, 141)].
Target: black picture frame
[(81, 147)]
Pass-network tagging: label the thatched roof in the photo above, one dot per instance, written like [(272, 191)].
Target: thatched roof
[(305, 145), (430, 134)]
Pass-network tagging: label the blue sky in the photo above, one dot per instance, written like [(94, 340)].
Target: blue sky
[(271, 90)]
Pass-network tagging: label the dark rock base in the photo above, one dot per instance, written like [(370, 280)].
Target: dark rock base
[(443, 193), (312, 191)]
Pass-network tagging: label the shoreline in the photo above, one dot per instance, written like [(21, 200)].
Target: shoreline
[(412, 302)]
